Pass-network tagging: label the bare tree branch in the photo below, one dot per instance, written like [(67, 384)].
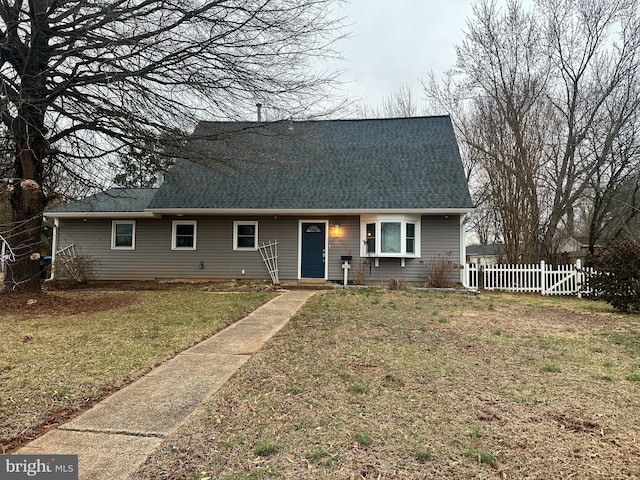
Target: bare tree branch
[(82, 81)]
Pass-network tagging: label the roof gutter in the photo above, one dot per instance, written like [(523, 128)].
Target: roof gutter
[(160, 212), (122, 215), (308, 211)]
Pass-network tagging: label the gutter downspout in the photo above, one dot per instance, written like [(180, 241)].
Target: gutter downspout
[(463, 250), (54, 248)]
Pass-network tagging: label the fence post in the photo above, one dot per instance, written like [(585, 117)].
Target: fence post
[(466, 271), (579, 277), (543, 278)]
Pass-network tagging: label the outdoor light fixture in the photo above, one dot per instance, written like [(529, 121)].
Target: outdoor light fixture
[(336, 230)]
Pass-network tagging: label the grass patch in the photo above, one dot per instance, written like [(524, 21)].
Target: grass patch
[(358, 388), (295, 389), (265, 448), (421, 454), (453, 387), (317, 453), (551, 368), (474, 432), (392, 381), (481, 456), (629, 339), (364, 438), (64, 361)]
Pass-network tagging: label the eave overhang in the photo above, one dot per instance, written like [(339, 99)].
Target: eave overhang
[(161, 212), (120, 215), (307, 211)]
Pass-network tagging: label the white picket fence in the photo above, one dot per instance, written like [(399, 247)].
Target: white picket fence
[(530, 278)]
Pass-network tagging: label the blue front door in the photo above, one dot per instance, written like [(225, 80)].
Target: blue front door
[(313, 250)]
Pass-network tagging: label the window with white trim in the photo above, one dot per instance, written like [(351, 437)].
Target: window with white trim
[(123, 235), (410, 237), (245, 235), (183, 235), (390, 235)]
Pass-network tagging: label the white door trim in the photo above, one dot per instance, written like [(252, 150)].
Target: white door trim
[(326, 246)]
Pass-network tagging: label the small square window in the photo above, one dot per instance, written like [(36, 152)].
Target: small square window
[(123, 235), (245, 235), (183, 235)]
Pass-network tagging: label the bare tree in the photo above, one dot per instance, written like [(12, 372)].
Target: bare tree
[(595, 49), (611, 199), (485, 223), (81, 80), (503, 124), (401, 103), (544, 102), (141, 166)]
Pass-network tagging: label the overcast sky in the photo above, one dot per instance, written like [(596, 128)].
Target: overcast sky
[(396, 42)]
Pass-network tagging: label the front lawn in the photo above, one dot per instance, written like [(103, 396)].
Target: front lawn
[(62, 351), (368, 384)]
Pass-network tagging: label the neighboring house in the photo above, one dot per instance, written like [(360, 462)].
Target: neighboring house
[(390, 193), (491, 254), (572, 248), (573, 245), (577, 246)]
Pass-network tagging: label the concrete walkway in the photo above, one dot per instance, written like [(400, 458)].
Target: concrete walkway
[(117, 435)]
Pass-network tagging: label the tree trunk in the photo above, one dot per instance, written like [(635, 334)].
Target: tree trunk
[(27, 202), (23, 269)]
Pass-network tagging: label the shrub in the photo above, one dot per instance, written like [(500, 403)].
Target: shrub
[(439, 271), (80, 268), (398, 284), (361, 273), (617, 277)]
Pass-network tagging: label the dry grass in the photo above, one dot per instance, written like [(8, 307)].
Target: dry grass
[(64, 350), (385, 385)]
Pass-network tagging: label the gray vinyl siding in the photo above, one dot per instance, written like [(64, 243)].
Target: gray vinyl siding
[(153, 257), (348, 243)]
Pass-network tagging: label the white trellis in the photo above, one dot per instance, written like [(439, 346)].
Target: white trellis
[(6, 254), (66, 256), (269, 253)]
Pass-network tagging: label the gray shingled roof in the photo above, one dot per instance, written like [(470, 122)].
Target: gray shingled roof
[(410, 163), (483, 250), (406, 163), (113, 200)]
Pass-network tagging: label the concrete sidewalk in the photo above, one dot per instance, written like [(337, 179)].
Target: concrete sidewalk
[(117, 435)]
